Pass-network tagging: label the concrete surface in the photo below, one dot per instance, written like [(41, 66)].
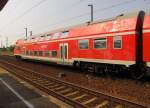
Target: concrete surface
[(13, 94)]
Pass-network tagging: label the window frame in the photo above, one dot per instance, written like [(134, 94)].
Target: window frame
[(100, 38), (46, 52), (48, 36), (82, 40), (114, 42), (52, 53), (55, 34), (40, 53), (35, 53), (64, 34)]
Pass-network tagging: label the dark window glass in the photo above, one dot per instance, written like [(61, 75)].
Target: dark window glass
[(117, 42), (40, 53), (31, 52), (47, 54), (24, 52), (83, 44), (48, 36), (100, 43), (56, 35), (54, 53), (64, 34), (65, 52), (27, 52), (17, 47), (35, 53)]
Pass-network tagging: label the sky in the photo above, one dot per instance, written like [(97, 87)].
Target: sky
[(41, 16)]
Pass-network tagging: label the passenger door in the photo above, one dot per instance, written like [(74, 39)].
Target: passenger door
[(63, 53)]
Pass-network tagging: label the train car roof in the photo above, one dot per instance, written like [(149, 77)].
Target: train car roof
[(78, 28), (2, 4)]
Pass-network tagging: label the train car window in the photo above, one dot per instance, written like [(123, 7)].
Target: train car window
[(35, 53), (17, 48), (40, 53), (83, 44), (65, 34), (32, 39), (41, 38), (31, 53), (54, 53), (27, 52), (56, 35), (100, 43), (117, 42), (23, 52), (48, 36), (47, 53)]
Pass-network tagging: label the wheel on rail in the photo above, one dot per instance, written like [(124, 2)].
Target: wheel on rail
[(76, 64), (137, 72)]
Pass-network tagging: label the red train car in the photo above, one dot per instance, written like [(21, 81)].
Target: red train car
[(114, 45)]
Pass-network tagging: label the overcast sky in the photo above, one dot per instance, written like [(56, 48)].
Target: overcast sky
[(45, 15)]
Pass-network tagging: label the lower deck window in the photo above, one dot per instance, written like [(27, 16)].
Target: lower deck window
[(40, 53), (27, 52), (31, 53), (54, 53), (35, 53), (83, 44), (117, 42), (100, 43), (47, 53)]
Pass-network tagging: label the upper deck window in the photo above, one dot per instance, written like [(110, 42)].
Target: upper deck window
[(28, 40), (100, 43), (32, 39), (83, 44), (65, 34), (48, 36), (117, 42), (41, 38), (56, 35)]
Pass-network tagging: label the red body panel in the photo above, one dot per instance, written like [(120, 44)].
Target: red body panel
[(146, 39), (124, 27)]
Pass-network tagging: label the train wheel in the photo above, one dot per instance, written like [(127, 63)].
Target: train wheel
[(137, 72), (76, 65)]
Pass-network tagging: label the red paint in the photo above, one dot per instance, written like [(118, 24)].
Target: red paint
[(126, 53)]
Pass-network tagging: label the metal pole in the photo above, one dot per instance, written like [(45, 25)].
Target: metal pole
[(90, 5), (30, 33), (26, 30), (6, 42), (1, 44)]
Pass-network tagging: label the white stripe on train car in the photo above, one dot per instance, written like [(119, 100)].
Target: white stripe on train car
[(122, 62), (148, 64), (86, 37), (146, 31), (70, 61)]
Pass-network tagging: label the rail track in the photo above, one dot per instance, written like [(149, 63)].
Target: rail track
[(78, 97)]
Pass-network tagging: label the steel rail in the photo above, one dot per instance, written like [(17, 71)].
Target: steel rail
[(42, 82)]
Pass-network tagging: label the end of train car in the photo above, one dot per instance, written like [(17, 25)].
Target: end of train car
[(105, 46)]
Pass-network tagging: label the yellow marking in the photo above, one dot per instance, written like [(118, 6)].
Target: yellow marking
[(101, 104), (3, 71), (119, 106), (59, 88), (69, 94), (66, 90), (79, 97), (89, 101)]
